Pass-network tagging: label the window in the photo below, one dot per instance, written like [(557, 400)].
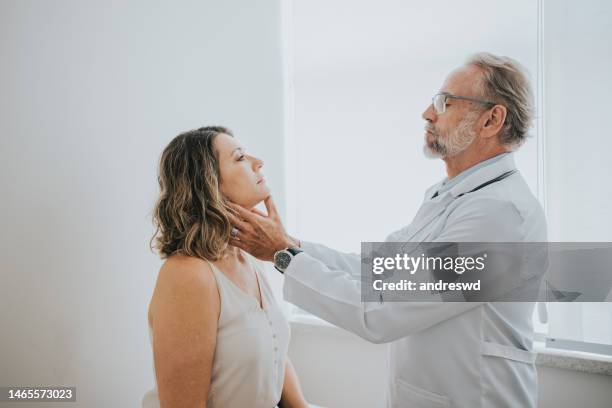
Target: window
[(576, 87), (362, 75), (359, 76)]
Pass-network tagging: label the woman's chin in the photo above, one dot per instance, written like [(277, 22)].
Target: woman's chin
[(252, 202), (263, 191)]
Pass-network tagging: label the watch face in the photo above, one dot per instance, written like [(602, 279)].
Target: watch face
[(282, 260)]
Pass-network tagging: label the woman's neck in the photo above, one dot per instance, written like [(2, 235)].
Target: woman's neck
[(231, 256)]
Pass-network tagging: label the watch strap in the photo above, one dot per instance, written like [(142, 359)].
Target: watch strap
[(294, 250)]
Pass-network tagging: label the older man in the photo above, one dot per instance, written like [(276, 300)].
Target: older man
[(441, 354)]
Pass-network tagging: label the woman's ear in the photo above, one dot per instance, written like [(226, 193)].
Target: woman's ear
[(494, 121)]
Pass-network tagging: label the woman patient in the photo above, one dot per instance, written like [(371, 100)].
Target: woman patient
[(219, 338)]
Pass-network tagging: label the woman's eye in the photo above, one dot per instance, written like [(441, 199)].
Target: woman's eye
[(241, 158)]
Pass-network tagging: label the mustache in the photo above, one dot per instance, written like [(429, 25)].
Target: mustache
[(431, 128)]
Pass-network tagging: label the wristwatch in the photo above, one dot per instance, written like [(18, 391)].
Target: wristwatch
[(283, 258)]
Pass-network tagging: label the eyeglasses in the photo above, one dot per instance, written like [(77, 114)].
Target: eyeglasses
[(439, 101)]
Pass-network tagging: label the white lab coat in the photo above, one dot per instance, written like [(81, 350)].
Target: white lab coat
[(441, 354)]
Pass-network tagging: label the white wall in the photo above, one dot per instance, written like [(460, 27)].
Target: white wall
[(337, 369), (91, 93), (560, 388)]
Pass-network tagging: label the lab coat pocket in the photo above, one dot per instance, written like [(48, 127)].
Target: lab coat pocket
[(508, 352), (509, 376), (409, 396)]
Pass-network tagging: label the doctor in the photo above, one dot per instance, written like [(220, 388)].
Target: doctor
[(441, 354)]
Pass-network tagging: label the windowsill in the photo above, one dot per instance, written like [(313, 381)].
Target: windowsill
[(547, 357), (592, 363)]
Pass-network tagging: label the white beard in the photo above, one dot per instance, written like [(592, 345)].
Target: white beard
[(457, 141)]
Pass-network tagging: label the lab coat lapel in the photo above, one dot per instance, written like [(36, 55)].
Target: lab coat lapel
[(430, 210)]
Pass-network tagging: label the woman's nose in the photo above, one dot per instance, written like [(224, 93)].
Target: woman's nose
[(257, 163)]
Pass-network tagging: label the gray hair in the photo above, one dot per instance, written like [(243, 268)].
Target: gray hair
[(504, 81)]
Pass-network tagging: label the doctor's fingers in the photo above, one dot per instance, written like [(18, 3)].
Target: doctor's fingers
[(242, 225), (249, 216), (271, 207), (247, 244), (256, 211), (238, 244)]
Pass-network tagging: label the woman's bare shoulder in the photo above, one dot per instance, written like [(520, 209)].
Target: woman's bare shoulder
[(181, 269), (185, 279)]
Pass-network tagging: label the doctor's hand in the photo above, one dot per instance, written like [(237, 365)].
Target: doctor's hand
[(260, 234)]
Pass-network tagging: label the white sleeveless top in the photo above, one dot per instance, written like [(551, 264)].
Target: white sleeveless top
[(249, 363)]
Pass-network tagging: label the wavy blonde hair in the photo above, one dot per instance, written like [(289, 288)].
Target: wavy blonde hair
[(191, 214)]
